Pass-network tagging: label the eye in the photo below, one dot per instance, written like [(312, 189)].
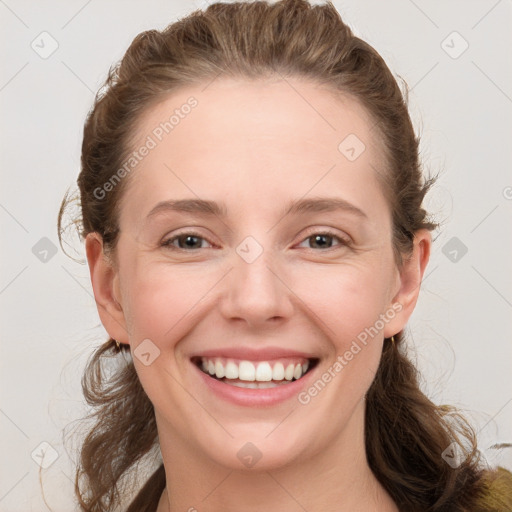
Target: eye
[(186, 241), (190, 240), (324, 239)]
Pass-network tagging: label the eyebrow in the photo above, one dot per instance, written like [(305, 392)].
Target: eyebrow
[(301, 206), (323, 204)]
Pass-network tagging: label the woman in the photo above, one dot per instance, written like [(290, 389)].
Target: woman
[(251, 201)]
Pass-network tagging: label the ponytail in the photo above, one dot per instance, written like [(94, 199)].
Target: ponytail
[(406, 435)]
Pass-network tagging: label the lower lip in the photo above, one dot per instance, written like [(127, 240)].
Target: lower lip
[(255, 397)]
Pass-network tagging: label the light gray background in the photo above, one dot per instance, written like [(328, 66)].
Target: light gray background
[(461, 330)]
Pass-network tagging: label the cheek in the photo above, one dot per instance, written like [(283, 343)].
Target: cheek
[(341, 299), (345, 299), (165, 305), (165, 301)]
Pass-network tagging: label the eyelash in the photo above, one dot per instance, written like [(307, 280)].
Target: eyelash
[(167, 243)]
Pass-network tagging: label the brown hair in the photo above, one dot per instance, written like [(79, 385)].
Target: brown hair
[(405, 433)]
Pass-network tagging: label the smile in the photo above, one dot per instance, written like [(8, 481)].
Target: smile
[(255, 374)]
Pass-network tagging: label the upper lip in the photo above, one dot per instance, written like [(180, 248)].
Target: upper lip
[(251, 354)]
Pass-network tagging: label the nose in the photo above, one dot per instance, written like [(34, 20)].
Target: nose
[(257, 293)]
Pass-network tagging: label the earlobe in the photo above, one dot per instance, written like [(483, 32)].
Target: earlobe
[(410, 277), (104, 280)]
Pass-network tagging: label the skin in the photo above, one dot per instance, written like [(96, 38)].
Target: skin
[(256, 145)]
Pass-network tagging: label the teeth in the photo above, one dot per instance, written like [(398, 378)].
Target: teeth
[(247, 371), (255, 385), (264, 372), (231, 370), (219, 369), (290, 370), (278, 372)]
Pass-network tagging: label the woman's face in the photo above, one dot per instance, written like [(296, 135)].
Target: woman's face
[(290, 260)]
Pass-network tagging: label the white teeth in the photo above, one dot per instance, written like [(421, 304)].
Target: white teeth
[(278, 372), (249, 385), (288, 374), (264, 372), (219, 369), (254, 385), (248, 371), (231, 370)]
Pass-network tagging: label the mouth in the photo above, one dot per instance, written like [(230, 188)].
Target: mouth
[(248, 374)]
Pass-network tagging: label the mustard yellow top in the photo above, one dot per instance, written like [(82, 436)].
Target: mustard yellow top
[(499, 495)]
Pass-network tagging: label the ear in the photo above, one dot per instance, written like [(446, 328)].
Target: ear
[(105, 280), (409, 282)]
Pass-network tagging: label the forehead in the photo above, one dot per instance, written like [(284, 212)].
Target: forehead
[(247, 137), (287, 112)]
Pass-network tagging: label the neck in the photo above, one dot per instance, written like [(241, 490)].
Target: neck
[(337, 478)]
